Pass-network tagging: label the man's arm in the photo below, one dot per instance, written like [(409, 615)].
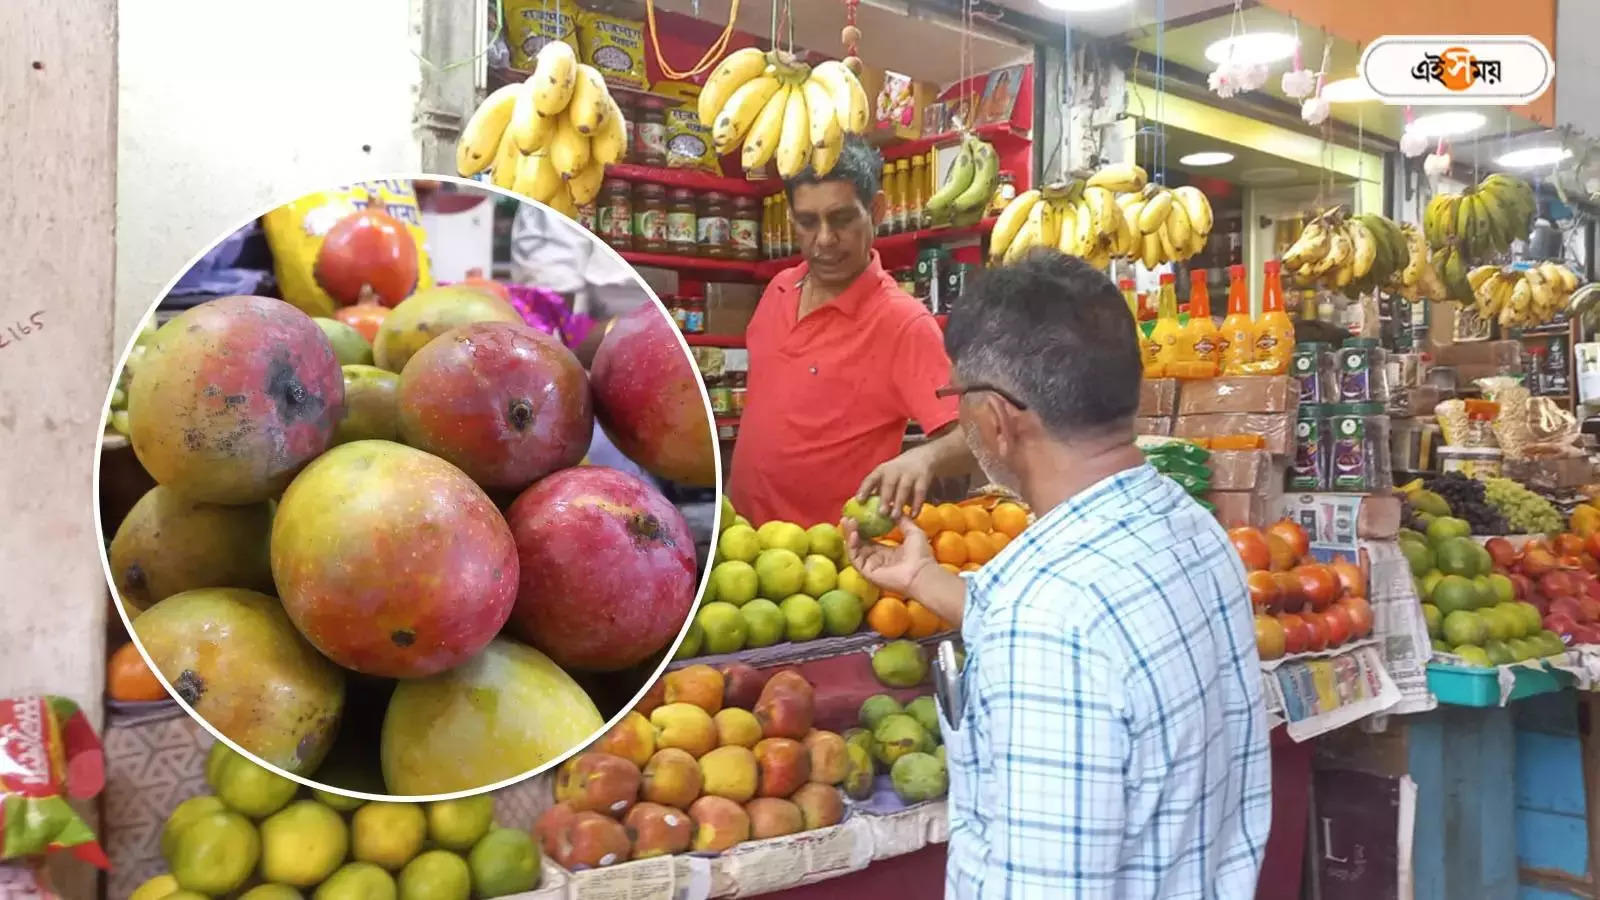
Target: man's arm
[(903, 481), (1059, 745)]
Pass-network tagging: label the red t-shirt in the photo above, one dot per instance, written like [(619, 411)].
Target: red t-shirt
[(830, 395)]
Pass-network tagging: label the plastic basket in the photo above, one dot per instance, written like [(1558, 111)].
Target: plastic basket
[(1478, 686)]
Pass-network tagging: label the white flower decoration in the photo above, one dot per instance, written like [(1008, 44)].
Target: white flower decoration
[(1300, 83), (1413, 145), (1315, 110), (1436, 165)]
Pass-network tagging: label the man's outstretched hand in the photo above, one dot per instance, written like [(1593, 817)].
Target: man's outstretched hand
[(902, 483), (890, 568)]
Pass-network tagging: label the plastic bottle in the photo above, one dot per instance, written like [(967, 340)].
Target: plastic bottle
[(1162, 351), (1131, 297), (1200, 342), (1238, 330), (1275, 331)]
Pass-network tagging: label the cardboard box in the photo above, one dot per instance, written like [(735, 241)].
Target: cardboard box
[(1241, 470), (1239, 394), (1158, 396), (1277, 429), (730, 306), (1236, 509), (1552, 474), (1156, 425), (1479, 353)]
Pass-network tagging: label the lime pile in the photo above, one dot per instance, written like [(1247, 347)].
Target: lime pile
[(256, 838)]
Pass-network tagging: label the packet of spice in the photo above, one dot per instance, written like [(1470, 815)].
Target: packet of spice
[(530, 24), (48, 752), (688, 142), (615, 46)]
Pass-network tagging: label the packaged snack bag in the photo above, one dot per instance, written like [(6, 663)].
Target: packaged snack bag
[(688, 142), (615, 46), (295, 231), (48, 752), (530, 24)]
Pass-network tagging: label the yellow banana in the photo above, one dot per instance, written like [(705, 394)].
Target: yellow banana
[(741, 111), (555, 75), (823, 158), (562, 203), (504, 172), (824, 123), (1197, 206), (569, 150), (1026, 240), (586, 184), (611, 141), (1155, 210), (480, 139), (1010, 221), (1120, 177), (735, 69), (1364, 248), (1049, 224), (1131, 240), (536, 178), (1103, 204), (1169, 248), (1150, 254), (985, 175), (956, 181), (794, 141), (1338, 254), (588, 108), (1082, 227), (1310, 247), (530, 130), (1067, 230), (1481, 274), (849, 98), (1178, 231), (762, 141)]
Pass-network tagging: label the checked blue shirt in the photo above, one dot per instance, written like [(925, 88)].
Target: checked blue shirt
[(1113, 742)]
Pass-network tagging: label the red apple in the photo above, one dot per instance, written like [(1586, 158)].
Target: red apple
[(1523, 585), (1586, 634), (1557, 583), (1567, 606), (1592, 544), (1560, 623), (1319, 632), (1591, 609)]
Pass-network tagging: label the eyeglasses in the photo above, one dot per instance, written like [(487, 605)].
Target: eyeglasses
[(951, 390)]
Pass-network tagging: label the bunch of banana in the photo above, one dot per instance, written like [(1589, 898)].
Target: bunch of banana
[(783, 109), (969, 185), (1483, 220), (1418, 279), (1163, 225), (1351, 253), (1521, 298), (550, 137)]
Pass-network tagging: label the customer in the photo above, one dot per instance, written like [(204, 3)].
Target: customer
[(841, 360), (1112, 741)]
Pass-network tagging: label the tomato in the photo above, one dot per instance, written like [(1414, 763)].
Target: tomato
[(1265, 595), (1251, 547), (1292, 534), (1291, 596), (1270, 638), (1337, 625), (1352, 581), (1359, 612), (1296, 634), (1319, 584)]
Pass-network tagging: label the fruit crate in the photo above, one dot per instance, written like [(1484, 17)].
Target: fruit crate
[(1478, 686)]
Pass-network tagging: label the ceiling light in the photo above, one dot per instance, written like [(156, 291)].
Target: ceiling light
[(1249, 49), (1528, 157), (1446, 124), (1083, 5), (1206, 158), (1348, 90)]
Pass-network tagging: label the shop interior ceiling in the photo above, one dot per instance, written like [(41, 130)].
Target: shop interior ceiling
[(895, 35)]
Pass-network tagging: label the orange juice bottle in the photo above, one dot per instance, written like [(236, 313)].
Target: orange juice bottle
[(1162, 350), (1130, 297), (1275, 331), (1200, 341), (1238, 330)]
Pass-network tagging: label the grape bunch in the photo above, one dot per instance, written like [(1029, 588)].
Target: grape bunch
[(1467, 499), (1525, 511)]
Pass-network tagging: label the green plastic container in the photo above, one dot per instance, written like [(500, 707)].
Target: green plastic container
[(1478, 686)]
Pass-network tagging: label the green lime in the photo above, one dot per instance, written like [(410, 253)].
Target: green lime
[(504, 861), (436, 875), (458, 824)]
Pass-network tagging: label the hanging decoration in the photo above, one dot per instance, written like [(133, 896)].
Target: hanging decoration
[(1316, 108), (1412, 145), (850, 36), (1236, 76), (1300, 82)]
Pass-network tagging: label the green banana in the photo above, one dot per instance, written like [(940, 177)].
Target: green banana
[(959, 179), (986, 165)]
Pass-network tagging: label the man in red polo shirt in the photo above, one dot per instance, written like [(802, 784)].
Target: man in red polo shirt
[(841, 360)]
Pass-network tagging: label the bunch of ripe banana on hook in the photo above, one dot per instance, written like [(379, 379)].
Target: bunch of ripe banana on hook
[(1115, 212), (1521, 298), (550, 137), (782, 109), (1353, 253)]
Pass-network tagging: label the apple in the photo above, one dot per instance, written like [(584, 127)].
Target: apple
[(1502, 552), (1536, 561), (1560, 623), (1523, 584)]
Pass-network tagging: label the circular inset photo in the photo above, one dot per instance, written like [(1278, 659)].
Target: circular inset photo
[(407, 488)]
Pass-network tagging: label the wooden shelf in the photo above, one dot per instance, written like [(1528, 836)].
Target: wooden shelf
[(991, 132), (726, 341), (746, 268)]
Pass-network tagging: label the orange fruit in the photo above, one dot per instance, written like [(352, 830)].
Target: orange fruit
[(887, 542), (977, 518), (998, 540), (953, 570), (971, 567), (1009, 519), (889, 617), (893, 537), (929, 519), (950, 547), (923, 620), (128, 678), (952, 518), (979, 549)]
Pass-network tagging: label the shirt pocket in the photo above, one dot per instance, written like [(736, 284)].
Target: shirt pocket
[(961, 746)]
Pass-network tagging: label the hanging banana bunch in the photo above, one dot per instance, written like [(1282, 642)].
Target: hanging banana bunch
[(1352, 253), (969, 185), (550, 137), (1418, 280), (1521, 298), (1481, 221), (782, 109), (1113, 213)]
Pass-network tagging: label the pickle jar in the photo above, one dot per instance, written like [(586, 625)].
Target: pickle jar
[(681, 218), (745, 228), (651, 133), (614, 216), (714, 224), (650, 218)]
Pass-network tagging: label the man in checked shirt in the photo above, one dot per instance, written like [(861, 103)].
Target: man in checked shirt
[(1112, 741)]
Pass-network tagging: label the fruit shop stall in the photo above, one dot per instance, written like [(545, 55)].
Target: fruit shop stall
[(195, 546)]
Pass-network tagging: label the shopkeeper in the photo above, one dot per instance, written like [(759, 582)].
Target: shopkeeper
[(841, 360)]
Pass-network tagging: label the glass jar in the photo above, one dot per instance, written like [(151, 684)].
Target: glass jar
[(681, 217), (651, 130), (694, 314), (586, 217), (712, 235), (679, 311), (744, 229), (917, 195), (1004, 192), (903, 218), (650, 218), (886, 184), (614, 218), (629, 110), (721, 396), (736, 385), (769, 234)]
